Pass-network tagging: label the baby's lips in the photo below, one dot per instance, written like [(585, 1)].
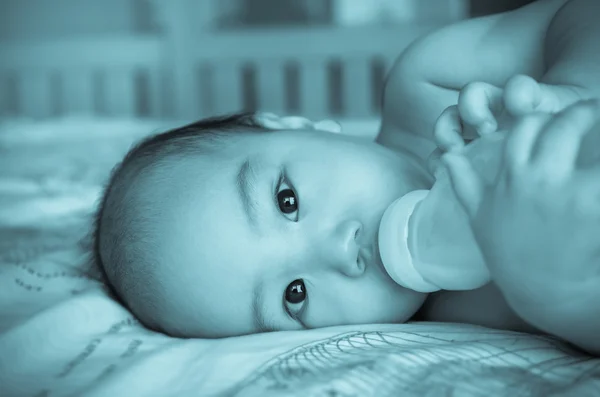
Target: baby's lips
[(376, 253)]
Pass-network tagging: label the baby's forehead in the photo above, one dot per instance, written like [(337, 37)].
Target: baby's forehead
[(202, 219), (220, 165)]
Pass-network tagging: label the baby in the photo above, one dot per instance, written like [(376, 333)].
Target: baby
[(246, 223), (225, 227)]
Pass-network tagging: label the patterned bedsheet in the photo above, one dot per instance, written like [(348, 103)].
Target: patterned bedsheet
[(62, 335)]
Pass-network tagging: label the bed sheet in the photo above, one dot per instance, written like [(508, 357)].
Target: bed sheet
[(62, 335)]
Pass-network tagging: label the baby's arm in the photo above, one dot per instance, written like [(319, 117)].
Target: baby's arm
[(537, 223), (549, 40)]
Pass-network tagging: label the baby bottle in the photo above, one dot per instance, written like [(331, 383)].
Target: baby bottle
[(425, 240)]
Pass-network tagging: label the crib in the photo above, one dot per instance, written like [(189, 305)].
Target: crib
[(70, 110), (317, 72)]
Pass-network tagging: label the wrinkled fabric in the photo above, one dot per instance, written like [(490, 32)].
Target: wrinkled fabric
[(61, 334)]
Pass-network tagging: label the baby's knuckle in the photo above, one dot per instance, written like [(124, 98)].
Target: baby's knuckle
[(518, 82), (534, 180)]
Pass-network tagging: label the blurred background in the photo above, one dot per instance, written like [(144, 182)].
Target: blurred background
[(83, 80), (185, 59)]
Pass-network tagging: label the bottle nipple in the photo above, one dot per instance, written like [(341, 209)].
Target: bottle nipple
[(393, 243)]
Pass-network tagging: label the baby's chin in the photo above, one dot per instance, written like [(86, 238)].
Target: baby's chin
[(400, 314), (398, 306), (414, 303)]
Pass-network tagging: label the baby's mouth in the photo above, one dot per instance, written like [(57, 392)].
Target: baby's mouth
[(363, 260), (369, 254), (373, 252)]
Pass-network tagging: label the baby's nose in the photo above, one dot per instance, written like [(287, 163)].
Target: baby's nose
[(344, 252)]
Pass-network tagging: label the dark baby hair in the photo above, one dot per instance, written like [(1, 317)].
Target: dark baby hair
[(122, 231)]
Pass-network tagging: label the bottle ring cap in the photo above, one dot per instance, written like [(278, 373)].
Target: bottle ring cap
[(393, 243)]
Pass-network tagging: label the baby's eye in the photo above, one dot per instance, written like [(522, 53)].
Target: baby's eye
[(295, 294), (287, 201)]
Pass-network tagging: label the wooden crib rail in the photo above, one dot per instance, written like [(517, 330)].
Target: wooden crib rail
[(318, 72)]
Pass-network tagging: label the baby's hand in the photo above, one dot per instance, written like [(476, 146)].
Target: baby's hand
[(538, 224), (275, 122), (484, 108)]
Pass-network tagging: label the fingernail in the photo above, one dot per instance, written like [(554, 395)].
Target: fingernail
[(488, 127), (456, 140)]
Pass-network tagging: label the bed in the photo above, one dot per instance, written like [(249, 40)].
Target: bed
[(69, 119), (62, 335)]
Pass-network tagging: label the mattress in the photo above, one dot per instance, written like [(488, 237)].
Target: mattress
[(62, 335)]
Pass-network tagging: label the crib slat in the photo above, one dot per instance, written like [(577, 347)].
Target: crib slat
[(314, 92), (155, 92), (35, 94), (120, 92), (78, 91), (357, 87), (227, 87), (4, 93), (206, 88), (271, 87)]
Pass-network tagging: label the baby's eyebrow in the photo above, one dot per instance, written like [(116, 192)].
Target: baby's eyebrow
[(260, 322), (246, 187)]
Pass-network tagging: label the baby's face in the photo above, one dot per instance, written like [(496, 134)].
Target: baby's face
[(279, 232)]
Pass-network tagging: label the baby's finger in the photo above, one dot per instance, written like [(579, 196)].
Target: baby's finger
[(275, 122), (328, 126), (524, 95), (434, 161), (296, 123), (477, 104), (557, 147), (521, 139), (447, 131), (467, 185)]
